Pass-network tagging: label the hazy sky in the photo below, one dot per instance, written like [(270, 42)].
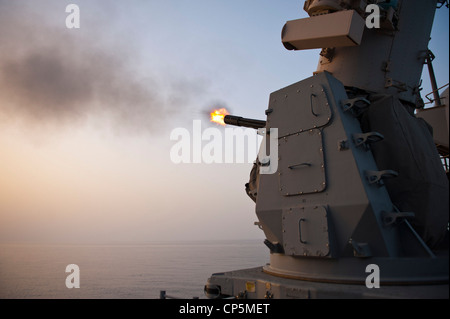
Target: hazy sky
[(86, 114)]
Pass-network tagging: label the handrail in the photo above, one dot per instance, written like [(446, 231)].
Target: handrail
[(163, 295), (432, 92)]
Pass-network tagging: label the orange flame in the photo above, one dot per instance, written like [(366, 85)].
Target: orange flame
[(217, 116)]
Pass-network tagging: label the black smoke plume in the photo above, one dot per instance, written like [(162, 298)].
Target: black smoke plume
[(53, 75)]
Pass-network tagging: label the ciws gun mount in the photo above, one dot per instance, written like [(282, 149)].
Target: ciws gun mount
[(360, 196)]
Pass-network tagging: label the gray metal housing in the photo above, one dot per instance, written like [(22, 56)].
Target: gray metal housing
[(359, 179)]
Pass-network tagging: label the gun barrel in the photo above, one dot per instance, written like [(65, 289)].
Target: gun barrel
[(241, 121)]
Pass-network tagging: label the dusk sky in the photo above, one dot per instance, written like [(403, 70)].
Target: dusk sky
[(86, 114)]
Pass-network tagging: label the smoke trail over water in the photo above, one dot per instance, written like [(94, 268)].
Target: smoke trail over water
[(50, 74)]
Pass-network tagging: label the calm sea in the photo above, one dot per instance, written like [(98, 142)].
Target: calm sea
[(138, 271)]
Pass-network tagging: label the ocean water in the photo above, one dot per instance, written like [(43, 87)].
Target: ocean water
[(138, 271)]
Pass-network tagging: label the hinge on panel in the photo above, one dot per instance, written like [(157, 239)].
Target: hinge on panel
[(375, 177), (400, 86), (356, 105), (364, 139), (390, 218)]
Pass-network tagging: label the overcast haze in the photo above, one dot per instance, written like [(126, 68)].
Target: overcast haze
[(86, 114)]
